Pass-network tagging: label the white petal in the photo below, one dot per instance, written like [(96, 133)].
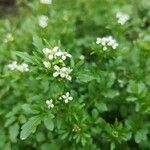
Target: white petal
[(47, 64), (64, 69), (68, 78), (70, 98), (61, 61), (67, 94), (20, 68), (56, 67), (63, 57), (62, 75), (52, 105), (69, 55), (46, 51), (58, 53), (60, 98), (43, 21), (26, 69), (55, 74), (64, 96), (66, 100), (47, 102), (55, 49), (98, 40), (103, 43), (11, 67), (104, 48), (50, 57), (46, 1)]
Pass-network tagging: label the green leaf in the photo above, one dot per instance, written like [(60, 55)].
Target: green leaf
[(141, 87), (26, 57), (131, 99), (40, 136), (101, 106), (112, 146), (95, 113), (14, 131), (14, 111), (110, 79), (64, 135), (10, 121), (48, 122), (30, 127), (141, 135), (83, 141), (47, 146), (37, 42), (7, 146), (86, 77), (29, 110), (136, 88), (132, 87), (111, 93)]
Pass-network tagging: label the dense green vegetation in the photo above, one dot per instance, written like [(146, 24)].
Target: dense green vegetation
[(75, 75)]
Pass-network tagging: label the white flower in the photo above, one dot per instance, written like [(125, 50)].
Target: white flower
[(46, 1), (107, 42), (22, 67), (56, 53), (43, 21), (66, 98), (53, 53), (13, 65), (47, 64), (57, 56), (8, 38), (56, 48), (63, 72), (104, 48), (122, 18), (46, 51), (98, 40), (50, 103), (64, 55)]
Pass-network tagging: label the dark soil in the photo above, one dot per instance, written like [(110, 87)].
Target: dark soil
[(7, 7)]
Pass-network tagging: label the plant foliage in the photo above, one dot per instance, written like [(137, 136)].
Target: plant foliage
[(75, 75)]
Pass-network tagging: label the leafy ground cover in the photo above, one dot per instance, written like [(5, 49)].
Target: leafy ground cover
[(75, 75)]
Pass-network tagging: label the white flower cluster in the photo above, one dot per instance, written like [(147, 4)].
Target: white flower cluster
[(47, 64), (8, 38), (63, 72), (122, 18), (55, 53), (55, 60), (106, 42), (46, 1), (19, 67), (43, 21), (50, 103), (66, 97)]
